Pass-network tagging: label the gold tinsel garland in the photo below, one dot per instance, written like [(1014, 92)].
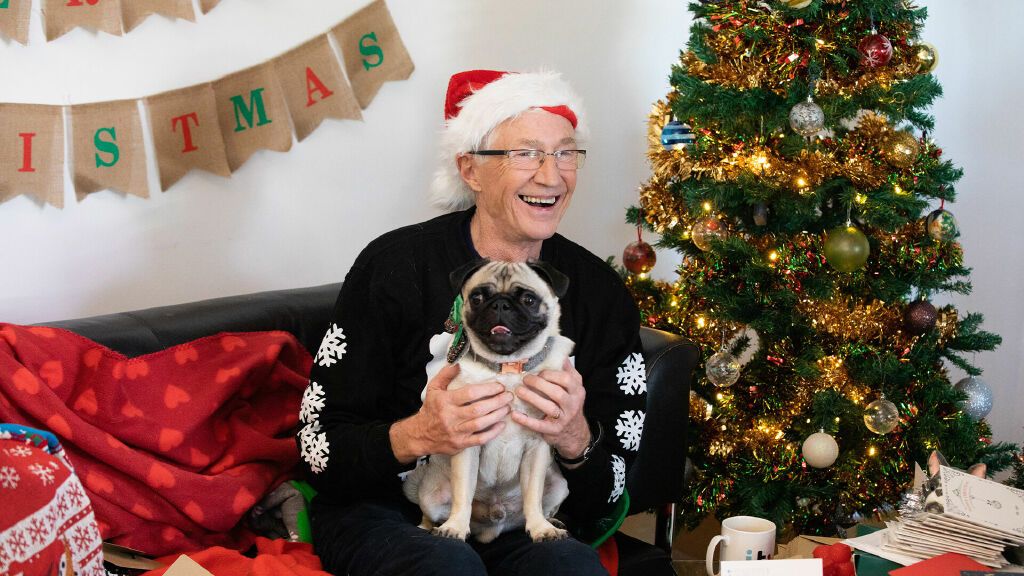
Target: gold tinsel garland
[(744, 64), (858, 157)]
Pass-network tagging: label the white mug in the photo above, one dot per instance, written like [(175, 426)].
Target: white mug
[(743, 538)]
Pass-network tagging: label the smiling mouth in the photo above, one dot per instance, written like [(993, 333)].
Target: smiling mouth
[(540, 201)]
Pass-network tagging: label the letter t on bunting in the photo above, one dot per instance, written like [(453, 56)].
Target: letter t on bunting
[(106, 144), (32, 152), (14, 19), (314, 87), (252, 114), (186, 134), (62, 16), (373, 51)]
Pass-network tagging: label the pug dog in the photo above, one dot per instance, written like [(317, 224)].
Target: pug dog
[(509, 317)]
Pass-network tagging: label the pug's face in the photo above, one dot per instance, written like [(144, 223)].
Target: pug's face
[(510, 308)]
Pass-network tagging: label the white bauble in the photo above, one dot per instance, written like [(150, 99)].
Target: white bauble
[(820, 450)]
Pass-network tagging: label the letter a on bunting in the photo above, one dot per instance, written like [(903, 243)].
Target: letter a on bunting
[(314, 87)]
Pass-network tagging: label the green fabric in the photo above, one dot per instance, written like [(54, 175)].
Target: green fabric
[(869, 564), (595, 534), (305, 529)]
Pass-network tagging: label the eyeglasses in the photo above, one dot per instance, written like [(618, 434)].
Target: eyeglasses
[(533, 159)]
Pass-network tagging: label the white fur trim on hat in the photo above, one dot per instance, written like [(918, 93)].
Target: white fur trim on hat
[(504, 98)]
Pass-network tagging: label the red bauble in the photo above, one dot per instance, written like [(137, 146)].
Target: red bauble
[(639, 257), (875, 50)]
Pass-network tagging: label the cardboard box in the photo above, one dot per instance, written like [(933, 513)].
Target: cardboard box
[(185, 566), (803, 547)]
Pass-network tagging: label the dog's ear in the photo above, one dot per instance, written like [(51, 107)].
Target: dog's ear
[(559, 282), (459, 276)]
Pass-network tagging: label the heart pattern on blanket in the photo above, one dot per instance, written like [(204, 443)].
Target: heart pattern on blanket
[(86, 402), (53, 373), (129, 410), (99, 483), (25, 381), (159, 476), (174, 396), (229, 343), (170, 439), (185, 354)]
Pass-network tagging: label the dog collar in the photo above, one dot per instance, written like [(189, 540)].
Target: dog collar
[(516, 366)]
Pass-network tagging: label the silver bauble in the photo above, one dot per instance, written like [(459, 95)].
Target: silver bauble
[(723, 369), (979, 397), (807, 118), (881, 416)]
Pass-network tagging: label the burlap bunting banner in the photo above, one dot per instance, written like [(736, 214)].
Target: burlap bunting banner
[(372, 50), (32, 154), (106, 140), (133, 12), (62, 16), (214, 126), (14, 19), (186, 135), (314, 87), (252, 114), (207, 5)]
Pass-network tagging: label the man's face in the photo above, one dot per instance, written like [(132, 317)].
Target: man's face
[(516, 204)]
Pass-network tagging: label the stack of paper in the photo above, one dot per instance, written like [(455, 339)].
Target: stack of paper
[(968, 515)]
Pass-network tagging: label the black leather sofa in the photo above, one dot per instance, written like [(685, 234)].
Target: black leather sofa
[(655, 482)]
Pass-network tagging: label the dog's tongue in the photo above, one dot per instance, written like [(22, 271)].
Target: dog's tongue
[(499, 329)]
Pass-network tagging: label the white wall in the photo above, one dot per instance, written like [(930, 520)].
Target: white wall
[(299, 218)]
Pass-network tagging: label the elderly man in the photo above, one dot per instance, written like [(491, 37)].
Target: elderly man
[(510, 154)]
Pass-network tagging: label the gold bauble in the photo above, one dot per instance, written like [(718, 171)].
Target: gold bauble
[(901, 149), (797, 3), (926, 57)]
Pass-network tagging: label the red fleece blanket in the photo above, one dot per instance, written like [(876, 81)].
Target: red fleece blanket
[(173, 447)]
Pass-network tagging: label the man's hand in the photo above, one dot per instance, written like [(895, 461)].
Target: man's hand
[(559, 394), (449, 421)]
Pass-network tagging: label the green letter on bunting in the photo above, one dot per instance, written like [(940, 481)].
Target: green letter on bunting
[(370, 50), (243, 112), (108, 146)]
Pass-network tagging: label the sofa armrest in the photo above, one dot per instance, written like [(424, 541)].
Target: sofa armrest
[(655, 481)]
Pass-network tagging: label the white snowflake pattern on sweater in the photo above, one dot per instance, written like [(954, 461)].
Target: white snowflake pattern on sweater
[(312, 403), (44, 473), (632, 374), (619, 475), (629, 428), (331, 347), (315, 447)]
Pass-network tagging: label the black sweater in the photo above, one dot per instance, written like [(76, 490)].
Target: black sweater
[(387, 334)]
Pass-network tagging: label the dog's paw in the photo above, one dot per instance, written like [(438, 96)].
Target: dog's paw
[(547, 533), (446, 531)]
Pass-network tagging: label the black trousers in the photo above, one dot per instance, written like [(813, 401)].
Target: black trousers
[(382, 539)]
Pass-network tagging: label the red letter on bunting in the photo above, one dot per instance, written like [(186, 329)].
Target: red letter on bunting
[(26, 155), (313, 84), (186, 130)]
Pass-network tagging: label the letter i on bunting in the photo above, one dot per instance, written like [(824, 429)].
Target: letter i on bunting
[(186, 134), (133, 12), (106, 143), (32, 152), (314, 87), (14, 19), (373, 51), (252, 114), (61, 16)]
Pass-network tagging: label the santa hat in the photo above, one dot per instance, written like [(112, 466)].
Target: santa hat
[(479, 100)]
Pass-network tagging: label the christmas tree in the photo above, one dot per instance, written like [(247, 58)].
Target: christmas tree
[(793, 171)]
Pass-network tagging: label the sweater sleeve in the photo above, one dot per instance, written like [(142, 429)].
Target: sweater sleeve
[(344, 436), (609, 356)]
